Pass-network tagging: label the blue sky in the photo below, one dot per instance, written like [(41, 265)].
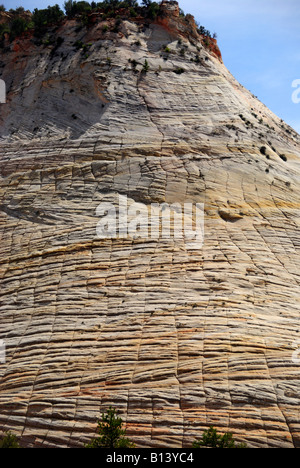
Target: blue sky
[(259, 41)]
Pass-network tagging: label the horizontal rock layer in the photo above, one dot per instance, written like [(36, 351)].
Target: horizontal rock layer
[(175, 339)]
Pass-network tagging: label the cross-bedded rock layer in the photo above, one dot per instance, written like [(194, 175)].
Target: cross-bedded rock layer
[(177, 340)]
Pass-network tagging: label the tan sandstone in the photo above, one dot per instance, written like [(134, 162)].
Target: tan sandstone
[(177, 340)]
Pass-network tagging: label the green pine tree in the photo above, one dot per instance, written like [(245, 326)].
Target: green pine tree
[(9, 440), (212, 439), (146, 66), (111, 434)]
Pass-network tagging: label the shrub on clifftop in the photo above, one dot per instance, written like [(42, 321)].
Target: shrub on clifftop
[(73, 8), (52, 14)]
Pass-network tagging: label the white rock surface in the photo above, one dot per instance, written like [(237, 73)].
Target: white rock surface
[(176, 340)]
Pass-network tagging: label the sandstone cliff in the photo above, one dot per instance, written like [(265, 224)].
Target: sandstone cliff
[(177, 340)]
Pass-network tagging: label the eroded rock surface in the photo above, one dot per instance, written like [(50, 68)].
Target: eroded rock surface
[(177, 340)]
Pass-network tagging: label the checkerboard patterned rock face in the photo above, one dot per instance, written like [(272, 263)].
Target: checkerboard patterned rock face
[(176, 340)]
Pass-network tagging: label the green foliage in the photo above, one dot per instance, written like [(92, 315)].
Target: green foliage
[(50, 15), (4, 28), (206, 42), (78, 45), (132, 12), (179, 71), (153, 10), (18, 26), (111, 434), (206, 34), (146, 66), (19, 21), (118, 23), (203, 31), (18, 11), (73, 8), (68, 8), (9, 440), (110, 7), (212, 439)]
